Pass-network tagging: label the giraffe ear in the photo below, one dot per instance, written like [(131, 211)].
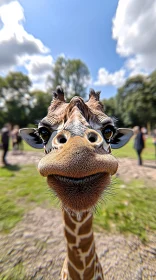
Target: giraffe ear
[(121, 137), (31, 137)]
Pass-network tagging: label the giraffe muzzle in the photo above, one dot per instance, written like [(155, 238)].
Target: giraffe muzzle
[(77, 159), (79, 194)]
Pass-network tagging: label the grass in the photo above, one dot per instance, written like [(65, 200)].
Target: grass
[(131, 208), (19, 190), (15, 273), (128, 151)]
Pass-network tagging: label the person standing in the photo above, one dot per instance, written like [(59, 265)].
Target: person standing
[(154, 136), (138, 143), (14, 136), (154, 141), (5, 134)]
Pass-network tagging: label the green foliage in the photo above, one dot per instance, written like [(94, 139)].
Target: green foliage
[(72, 74), (111, 111), (15, 98), (3, 85), (19, 105), (57, 77), (18, 81), (41, 102), (76, 76), (135, 102)]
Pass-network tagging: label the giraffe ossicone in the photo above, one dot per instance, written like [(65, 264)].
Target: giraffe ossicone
[(77, 138)]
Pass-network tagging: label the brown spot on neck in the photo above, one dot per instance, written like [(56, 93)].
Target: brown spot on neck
[(68, 221), (73, 273)]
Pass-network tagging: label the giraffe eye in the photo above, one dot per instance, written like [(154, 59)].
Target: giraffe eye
[(44, 133), (108, 132)]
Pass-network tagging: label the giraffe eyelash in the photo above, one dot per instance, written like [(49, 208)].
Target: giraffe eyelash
[(52, 149), (47, 152)]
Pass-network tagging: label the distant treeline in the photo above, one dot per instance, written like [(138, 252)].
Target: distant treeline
[(134, 103)]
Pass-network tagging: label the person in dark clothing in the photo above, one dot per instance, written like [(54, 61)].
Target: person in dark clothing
[(5, 133), (154, 136), (16, 139), (138, 143), (154, 141)]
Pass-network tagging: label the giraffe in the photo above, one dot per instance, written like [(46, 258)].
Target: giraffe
[(77, 138)]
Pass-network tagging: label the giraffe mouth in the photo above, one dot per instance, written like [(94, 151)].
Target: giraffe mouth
[(81, 193), (78, 181)]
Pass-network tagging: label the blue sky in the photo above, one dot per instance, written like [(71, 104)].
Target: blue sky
[(111, 37), (78, 29)]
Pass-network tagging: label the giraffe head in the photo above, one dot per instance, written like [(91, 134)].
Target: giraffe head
[(77, 138)]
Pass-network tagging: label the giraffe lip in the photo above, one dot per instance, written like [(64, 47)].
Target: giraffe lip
[(77, 181), (79, 193)]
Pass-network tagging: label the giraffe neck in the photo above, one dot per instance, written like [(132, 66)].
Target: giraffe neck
[(82, 261)]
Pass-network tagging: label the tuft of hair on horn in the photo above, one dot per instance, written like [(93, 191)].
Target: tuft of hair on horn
[(59, 94), (94, 94)]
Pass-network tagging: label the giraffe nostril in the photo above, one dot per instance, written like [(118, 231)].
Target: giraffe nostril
[(61, 139), (92, 137)]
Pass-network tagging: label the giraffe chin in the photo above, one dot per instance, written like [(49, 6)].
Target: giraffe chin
[(79, 194)]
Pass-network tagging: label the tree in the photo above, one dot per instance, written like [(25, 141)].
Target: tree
[(18, 104), (76, 77), (16, 99), (3, 113), (110, 110), (41, 100), (136, 101), (152, 103), (58, 75), (72, 74)]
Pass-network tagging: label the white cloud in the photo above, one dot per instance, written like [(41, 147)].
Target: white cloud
[(105, 78), (4, 2), (18, 47), (39, 67), (40, 85), (134, 29), (133, 67)]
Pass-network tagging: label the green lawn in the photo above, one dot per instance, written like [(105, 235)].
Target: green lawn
[(15, 273), (128, 151), (129, 208), (19, 190)]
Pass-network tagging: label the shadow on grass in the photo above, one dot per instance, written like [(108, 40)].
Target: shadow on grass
[(10, 167)]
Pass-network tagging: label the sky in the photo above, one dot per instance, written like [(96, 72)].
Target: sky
[(115, 39)]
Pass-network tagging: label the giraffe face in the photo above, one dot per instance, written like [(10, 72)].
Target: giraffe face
[(77, 139)]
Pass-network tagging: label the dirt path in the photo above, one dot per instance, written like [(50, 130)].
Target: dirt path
[(37, 242)]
